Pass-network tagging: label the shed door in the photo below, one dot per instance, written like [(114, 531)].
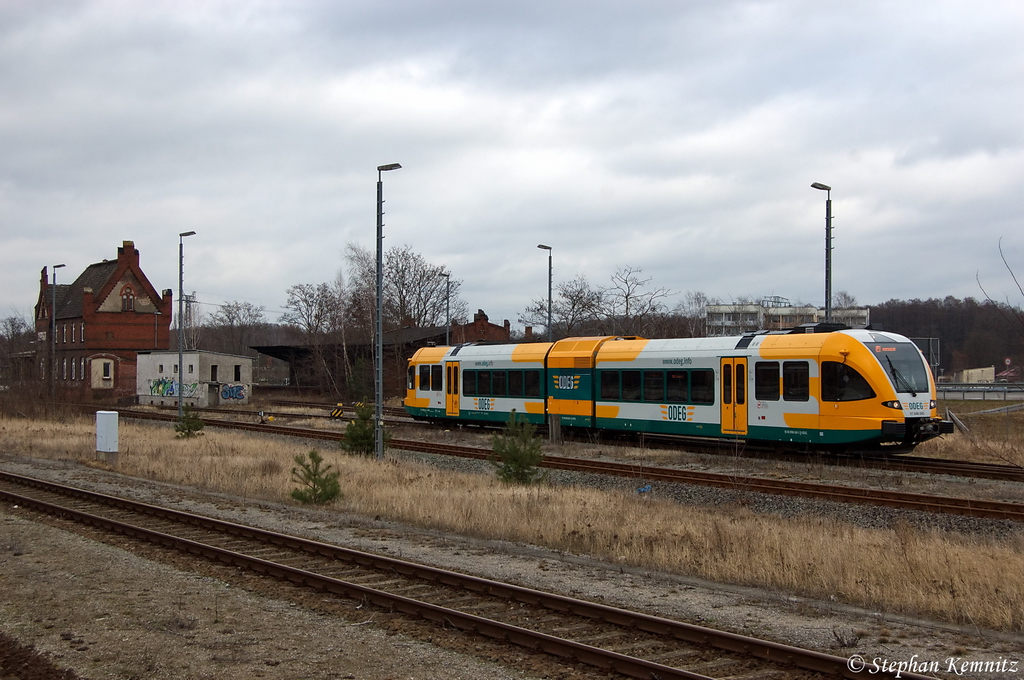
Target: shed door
[(734, 395), (451, 388)]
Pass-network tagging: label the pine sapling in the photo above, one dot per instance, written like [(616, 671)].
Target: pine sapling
[(359, 433), (190, 425), (319, 484), (517, 453)]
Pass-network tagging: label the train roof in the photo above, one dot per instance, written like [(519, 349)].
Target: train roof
[(807, 335)]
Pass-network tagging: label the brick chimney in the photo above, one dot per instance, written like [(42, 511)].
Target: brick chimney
[(128, 252)]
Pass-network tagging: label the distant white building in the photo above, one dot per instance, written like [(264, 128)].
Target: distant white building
[(854, 317), (774, 314), (210, 379), (986, 374)]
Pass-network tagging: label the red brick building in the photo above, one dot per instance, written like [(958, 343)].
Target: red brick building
[(480, 330), (101, 320)]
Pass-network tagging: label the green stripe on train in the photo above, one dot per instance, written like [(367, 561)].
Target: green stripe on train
[(687, 429)]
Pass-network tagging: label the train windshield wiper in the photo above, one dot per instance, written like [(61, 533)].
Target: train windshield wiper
[(898, 377)]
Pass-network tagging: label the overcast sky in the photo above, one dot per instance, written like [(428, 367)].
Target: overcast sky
[(677, 138)]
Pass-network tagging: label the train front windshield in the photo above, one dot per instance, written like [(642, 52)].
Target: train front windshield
[(902, 362)]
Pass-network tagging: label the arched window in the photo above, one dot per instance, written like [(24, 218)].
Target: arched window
[(127, 298)]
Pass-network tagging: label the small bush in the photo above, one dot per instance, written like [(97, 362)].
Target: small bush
[(320, 485), (517, 453), (359, 433), (190, 425)]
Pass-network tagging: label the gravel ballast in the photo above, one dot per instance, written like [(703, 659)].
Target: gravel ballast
[(92, 591)]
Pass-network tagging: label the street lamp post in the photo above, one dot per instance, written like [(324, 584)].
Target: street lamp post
[(447, 308), (378, 353), (548, 248), (181, 319), (828, 247), (53, 333)]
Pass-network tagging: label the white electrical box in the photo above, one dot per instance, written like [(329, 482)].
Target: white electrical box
[(106, 431)]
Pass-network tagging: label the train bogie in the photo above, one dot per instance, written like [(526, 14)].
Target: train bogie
[(849, 388)]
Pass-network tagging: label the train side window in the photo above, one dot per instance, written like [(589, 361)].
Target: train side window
[(531, 383), (499, 383), (796, 381), (610, 385), (453, 386), (515, 383), (727, 383), (702, 387), (437, 378), (483, 383), (469, 383), (654, 385), (766, 380), (676, 386), (631, 386), (741, 383), (410, 380), (840, 382), (424, 377)]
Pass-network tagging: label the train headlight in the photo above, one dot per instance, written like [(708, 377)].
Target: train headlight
[(893, 404), (931, 404)]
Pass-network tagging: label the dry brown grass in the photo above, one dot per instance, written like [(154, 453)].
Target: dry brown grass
[(993, 438), (944, 576)]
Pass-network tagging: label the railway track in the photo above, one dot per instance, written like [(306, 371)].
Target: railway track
[(390, 412), (894, 463), (633, 644), (956, 468), (643, 473)]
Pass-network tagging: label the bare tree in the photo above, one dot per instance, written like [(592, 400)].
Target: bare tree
[(315, 311), (311, 308), (692, 313), (415, 292), (575, 309), (1013, 314), (340, 292), (15, 333), (235, 325), (15, 337), (843, 300), (629, 309)]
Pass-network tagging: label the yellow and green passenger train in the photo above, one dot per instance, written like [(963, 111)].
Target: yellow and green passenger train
[(813, 387)]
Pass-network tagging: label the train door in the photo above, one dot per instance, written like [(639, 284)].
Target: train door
[(734, 395), (452, 381)]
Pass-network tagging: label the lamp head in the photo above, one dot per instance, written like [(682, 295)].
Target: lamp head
[(389, 166), (186, 233), (544, 247), (822, 187), (58, 266)]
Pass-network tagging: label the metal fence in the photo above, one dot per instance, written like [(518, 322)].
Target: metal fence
[(981, 391)]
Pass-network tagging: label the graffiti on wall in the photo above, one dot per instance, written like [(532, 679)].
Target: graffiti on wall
[(232, 392), (168, 387)]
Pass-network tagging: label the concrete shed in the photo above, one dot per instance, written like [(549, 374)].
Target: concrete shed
[(209, 379)]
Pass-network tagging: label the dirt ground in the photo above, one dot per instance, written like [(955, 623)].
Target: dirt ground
[(102, 611), (107, 613)]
